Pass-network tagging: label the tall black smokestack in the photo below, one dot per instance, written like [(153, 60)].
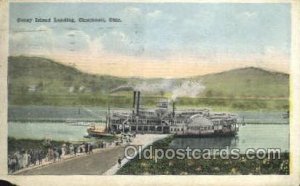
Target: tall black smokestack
[(173, 109), (134, 98), (138, 102)]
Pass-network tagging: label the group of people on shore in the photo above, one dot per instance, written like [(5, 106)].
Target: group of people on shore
[(21, 159), (47, 152)]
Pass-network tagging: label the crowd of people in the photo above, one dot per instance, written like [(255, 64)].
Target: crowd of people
[(21, 159), (49, 152)]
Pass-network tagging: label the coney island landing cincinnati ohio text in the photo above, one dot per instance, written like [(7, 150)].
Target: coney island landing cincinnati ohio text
[(67, 20)]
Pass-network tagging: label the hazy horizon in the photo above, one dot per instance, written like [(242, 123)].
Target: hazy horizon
[(210, 73)]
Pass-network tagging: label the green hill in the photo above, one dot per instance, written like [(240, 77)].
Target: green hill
[(54, 78), (40, 81), (247, 82)]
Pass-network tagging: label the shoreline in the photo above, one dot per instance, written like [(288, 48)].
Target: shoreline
[(103, 108)]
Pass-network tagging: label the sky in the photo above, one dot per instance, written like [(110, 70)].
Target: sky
[(156, 40)]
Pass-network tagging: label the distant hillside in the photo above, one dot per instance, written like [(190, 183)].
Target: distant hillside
[(247, 82), (35, 80), (45, 75)]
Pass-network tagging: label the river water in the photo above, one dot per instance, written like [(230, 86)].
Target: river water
[(275, 134), (249, 136), (41, 130)]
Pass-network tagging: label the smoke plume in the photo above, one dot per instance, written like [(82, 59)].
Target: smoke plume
[(186, 88)]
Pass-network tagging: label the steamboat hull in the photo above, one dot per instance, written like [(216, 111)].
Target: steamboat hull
[(98, 134), (98, 131), (209, 135)]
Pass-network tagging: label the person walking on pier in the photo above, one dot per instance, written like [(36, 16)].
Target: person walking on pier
[(86, 147), (26, 159), (75, 150), (40, 156), (71, 147), (90, 148), (119, 162)]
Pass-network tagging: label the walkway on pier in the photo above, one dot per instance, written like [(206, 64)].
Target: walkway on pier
[(94, 164), (103, 161), (140, 140)]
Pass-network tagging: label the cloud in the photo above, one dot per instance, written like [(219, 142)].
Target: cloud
[(27, 41), (154, 14), (75, 40), (133, 11), (95, 47), (45, 40), (249, 14), (158, 16)]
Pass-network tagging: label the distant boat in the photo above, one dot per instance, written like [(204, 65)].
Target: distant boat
[(98, 131)]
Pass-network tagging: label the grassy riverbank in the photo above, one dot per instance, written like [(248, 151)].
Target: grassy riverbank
[(217, 166), (27, 144)]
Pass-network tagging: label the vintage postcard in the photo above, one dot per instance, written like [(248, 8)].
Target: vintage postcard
[(195, 92)]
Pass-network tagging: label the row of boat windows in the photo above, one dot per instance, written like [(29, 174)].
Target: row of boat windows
[(194, 128), (146, 128), (150, 122), (223, 122), (176, 129), (201, 128)]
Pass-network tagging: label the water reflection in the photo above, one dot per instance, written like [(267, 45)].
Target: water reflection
[(250, 136), (202, 143)]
